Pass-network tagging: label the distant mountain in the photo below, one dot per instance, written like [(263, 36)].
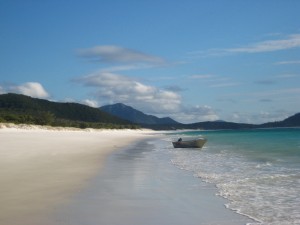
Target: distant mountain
[(153, 122), (24, 109), (135, 116), (292, 121), (208, 125), (219, 125)]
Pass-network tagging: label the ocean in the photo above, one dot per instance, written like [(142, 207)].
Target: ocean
[(257, 171)]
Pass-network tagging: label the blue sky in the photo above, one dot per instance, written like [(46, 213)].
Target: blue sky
[(195, 61)]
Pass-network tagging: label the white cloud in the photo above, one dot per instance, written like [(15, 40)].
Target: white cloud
[(110, 88), (33, 89), (116, 54), (113, 88), (293, 92), (124, 68), (91, 103), (288, 42), (291, 41)]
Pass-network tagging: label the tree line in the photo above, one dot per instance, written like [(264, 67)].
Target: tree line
[(22, 109)]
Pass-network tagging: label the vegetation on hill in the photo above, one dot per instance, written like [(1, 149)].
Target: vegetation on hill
[(23, 109)]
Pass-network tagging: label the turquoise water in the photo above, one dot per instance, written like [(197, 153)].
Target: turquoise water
[(258, 171)]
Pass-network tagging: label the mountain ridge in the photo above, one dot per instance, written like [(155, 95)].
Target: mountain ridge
[(122, 110), (135, 116), (24, 109)]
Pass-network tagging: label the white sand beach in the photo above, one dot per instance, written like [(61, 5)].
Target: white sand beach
[(56, 176), (42, 168)]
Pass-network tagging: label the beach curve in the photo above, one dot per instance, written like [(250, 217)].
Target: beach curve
[(41, 168)]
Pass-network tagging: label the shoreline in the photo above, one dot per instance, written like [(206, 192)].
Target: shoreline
[(55, 176), (139, 185), (41, 168)]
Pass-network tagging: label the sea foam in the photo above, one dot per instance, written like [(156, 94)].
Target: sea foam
[(260, 180)]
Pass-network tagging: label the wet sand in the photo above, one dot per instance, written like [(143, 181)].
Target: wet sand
[(139, 185)]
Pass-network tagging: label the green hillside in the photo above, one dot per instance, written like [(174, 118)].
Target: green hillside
[(23, 109)]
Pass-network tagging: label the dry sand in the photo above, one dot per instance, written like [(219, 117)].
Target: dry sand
[(41, 169)]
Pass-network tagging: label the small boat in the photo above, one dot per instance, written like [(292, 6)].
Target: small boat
[(194, 143)]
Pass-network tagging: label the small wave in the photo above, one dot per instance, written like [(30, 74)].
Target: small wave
[(262, 191), (262, 165)]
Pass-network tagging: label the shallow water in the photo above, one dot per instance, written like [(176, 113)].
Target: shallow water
[(258, 171), (140, 185)]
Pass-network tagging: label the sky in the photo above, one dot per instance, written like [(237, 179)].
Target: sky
[(192, 60)]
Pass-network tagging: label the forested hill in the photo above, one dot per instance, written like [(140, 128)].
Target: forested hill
[(24, 109)]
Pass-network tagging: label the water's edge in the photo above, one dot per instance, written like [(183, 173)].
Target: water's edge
[(140, 185)]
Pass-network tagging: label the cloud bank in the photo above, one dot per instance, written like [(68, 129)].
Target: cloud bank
[(33, 89), (288, 62), (291, 41), (116, 54), (119, 88), (288, 42), (109, 88)]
